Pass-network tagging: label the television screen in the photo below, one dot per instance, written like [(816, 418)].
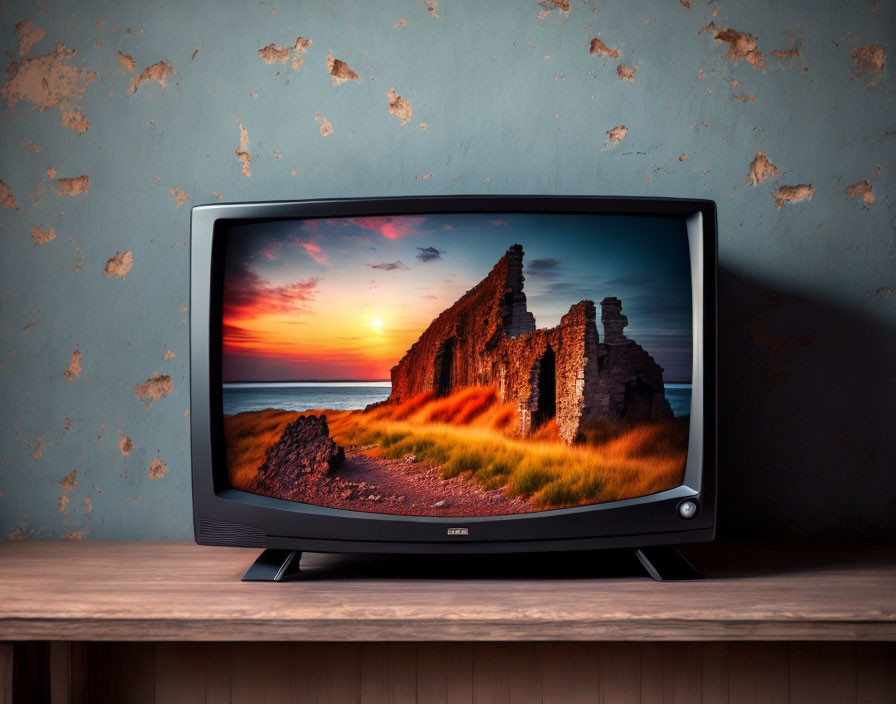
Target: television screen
[(457, 364)]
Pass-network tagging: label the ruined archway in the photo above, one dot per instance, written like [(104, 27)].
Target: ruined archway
[(546, 383), (444, 367)]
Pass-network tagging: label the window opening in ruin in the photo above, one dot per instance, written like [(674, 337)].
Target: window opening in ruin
[(638, 402), (444, 367), (547, 389)]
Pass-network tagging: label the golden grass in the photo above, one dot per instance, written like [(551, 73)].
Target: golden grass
[(471, 433)]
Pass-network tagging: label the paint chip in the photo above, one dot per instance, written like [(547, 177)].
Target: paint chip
[(625, 73), (761, 169), (126, 61), (63, 505), (862, 188), (125, 445), (432, 6), (157, 469), (37, 447), (399, 107), (154, 388), (617, 134), (217, 196), (740, 45), (792, 194), (685, 3), (550, 5), (242, 152), (48, 82), (424, 177), (89, 504), (74, 535), (69, 481), (42, 235), (869, 59), (276, 54), (119, 264), (340, 71), (402, 22), (683, 157), (598, 48), (180, 195), (74, 366), (158, 72), (73, 186), (326, 129), (7, 199), (28, 35)]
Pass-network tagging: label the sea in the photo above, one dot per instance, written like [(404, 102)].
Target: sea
[(352, 395)]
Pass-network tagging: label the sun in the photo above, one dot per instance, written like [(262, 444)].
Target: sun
[(377, 325)]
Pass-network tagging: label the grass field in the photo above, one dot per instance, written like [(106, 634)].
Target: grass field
[(471, 433)]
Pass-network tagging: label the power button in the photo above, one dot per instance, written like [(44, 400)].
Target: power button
[(688, 509)]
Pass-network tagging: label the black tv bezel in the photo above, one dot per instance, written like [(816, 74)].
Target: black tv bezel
[(227, 516)]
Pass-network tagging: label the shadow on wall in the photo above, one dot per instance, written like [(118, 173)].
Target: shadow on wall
[(807, 401)]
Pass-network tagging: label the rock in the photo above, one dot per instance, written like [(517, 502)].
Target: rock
[(410, 459), (304, 448), (440, 504)]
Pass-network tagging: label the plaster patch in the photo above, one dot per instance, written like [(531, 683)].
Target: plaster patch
[(340, 71), (326, 128), (617, 134), (862, 188), (180, 195), (42, 235), (73, 186), (119, 264), (74, 366), (242, 152), (625, 73), (792, 194), (158, 72), (740, 45), (7, 199), (869, 59), (157, 469), (276, 54), (598, 48), (760, 170), (399, 107), (154, 388), (28, 35), (48, 82), (69, 481)]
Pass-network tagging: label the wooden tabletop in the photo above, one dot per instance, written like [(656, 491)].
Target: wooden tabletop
[(181, 591)]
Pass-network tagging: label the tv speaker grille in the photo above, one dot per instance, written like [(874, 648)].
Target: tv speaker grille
[(224, 533)]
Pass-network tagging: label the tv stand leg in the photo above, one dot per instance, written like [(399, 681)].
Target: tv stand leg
[(665, 564), (273, 566)]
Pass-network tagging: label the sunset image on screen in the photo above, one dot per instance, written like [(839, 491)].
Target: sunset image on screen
[(457, 364)]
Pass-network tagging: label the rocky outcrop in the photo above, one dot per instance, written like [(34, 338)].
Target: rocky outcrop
[(304, 449), (564, 373)]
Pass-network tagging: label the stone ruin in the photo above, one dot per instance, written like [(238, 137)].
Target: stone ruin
[(488, 338)]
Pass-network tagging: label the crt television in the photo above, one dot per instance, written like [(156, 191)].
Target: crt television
[(459, 374)]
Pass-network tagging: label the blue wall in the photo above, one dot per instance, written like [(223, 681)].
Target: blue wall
[(505, 98)]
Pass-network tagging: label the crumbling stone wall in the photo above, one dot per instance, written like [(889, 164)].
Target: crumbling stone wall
[(488, 338)]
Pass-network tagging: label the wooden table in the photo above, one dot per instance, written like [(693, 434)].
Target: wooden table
[(172, 622)]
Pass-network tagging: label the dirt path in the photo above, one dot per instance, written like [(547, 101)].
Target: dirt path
[(367, 482)]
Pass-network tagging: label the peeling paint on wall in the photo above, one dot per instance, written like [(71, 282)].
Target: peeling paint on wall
[(73, 371), (158, 72), (28, 35), (73, 186), (740, 45), (617, 134), (119, 264), (598, 48), (792, 194), (761, 169), (276, 54), (399, 107), (42, 235), (154, 388), (326, 128), (242, 151), (339, 71), (863, 189), (157, 469), (869, 59)]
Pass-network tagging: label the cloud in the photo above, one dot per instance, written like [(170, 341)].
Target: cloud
[(390, 266), (428, 254), (248, 296), (543, 268), (499, 223), (390, 226), (315, 252), (270, 250)]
